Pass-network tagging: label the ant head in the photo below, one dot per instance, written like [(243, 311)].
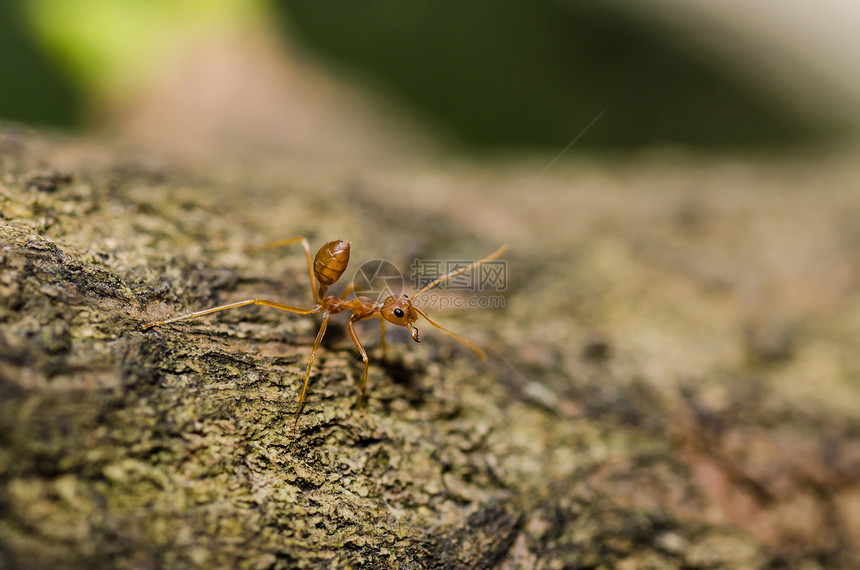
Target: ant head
[(399, 311)]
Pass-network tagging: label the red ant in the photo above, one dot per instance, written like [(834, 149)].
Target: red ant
[(326, 268)]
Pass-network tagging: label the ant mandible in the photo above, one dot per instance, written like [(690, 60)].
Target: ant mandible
[(326, 268)]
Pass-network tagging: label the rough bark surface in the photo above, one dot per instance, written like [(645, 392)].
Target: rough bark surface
[(673, 383)]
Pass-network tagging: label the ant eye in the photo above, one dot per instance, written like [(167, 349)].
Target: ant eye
[(398, 313)]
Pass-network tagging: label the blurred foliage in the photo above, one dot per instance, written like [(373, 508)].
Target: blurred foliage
[(491, 73), (32, 90), (117, 45), (526, 72)]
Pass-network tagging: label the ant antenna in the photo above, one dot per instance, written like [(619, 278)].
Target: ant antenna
[(471, 345), (491, 257)]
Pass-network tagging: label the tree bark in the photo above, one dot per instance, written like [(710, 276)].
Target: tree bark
[(672, 382)]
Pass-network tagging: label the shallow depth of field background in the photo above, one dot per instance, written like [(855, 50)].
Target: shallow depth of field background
[(479, 78)]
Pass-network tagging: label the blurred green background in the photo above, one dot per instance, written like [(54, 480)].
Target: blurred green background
[(488, 74), (513, 72), (34, 90)]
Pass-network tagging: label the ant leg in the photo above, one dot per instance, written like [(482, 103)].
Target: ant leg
[(382, 338), (308, 373), (307, 248), (273, 304), (363, 357), (490, 257), (349, 289), (455, 335)]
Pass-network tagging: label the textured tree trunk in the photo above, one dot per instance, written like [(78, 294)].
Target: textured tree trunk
[(672, 381)]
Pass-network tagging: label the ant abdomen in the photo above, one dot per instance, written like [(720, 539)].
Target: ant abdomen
[(331, 261)]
